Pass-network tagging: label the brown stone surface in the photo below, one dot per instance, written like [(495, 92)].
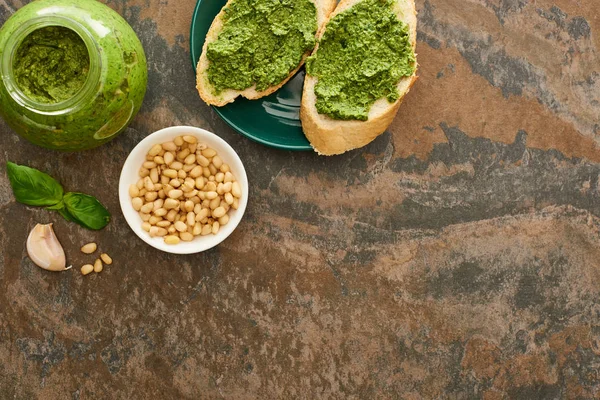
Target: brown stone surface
[(457, 257)]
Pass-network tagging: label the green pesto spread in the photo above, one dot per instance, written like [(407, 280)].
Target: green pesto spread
[(51, 64), (262, 41), (363, 54)]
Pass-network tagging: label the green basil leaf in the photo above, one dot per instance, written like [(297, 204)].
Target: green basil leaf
[(33, 187), (62, 210), (66, 215), (86, 210)]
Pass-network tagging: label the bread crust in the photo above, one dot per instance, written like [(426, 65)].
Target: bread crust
[(205, 89), (328, 136)]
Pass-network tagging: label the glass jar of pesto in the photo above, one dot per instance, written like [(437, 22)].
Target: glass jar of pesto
[(73, 73)]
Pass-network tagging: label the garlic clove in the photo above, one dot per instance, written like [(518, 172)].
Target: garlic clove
[(45, 250)]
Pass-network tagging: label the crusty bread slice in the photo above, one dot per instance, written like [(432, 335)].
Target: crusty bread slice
[(207, 93), (329, 136)]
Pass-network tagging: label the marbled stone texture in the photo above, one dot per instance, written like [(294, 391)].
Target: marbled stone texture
[(457, 257)]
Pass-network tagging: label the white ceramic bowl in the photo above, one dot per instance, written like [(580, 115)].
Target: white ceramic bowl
[(129, 175)]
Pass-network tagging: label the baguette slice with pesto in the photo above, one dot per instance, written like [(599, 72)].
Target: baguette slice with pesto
[(254, 47), (359, 73)]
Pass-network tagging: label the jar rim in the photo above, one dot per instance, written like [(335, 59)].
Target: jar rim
[(88, 89)]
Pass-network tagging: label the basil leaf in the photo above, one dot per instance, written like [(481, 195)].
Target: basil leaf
[(61, 209), (86, 210), (66, 215), (33, 187)]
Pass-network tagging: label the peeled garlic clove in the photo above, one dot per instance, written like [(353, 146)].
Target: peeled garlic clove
[(45, 250)]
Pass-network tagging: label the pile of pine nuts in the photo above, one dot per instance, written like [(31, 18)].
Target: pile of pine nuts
[(185, 190), (98, 266)]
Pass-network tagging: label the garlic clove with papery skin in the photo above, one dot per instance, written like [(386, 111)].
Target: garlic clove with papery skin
[(45, 250)]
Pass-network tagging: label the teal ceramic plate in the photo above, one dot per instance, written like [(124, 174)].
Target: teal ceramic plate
[(273, 120)]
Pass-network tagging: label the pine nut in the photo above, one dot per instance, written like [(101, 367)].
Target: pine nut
[(137, 203), (217, 162), (154, 175), (171, 215), (212, 195), (191, 159), (172, 240), (180, 226), (224, 220), (87, 269), (225, 168), (188, 167), (215, 227), (181, 174), (229, 198), (178, 141), (134, 191), (170, 204), (175, 183), (144, 172), (161, 194), (169, 146), (202, 161), (209, 153), (236, 189), (220, 177), (206, 230), (193, 147), (227, 187), (213, 170), (191, 194), (183, 154), (219, 212), (148, 184), (176, 165), (159, 160), (161, 212), (140, 184), (169, 158), (175, 194), (146, 226), (154, 220), (196, 172), (164, 179), (151, 196), (197, 229), (89, 248), (145, 217), (190, 139), (171, 173), (210, 187), (186, 236), (228, 177), (191, 218), (149, 164), (158, 204), (147, 208), (106, 259), (155, 231), (236, 204), (155, 150), (202, 214), (214, 203), (98, 267), (188, 206)]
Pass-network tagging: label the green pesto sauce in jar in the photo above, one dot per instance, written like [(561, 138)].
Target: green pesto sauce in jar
[(51, 64), (363, 54), (262, 41)]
